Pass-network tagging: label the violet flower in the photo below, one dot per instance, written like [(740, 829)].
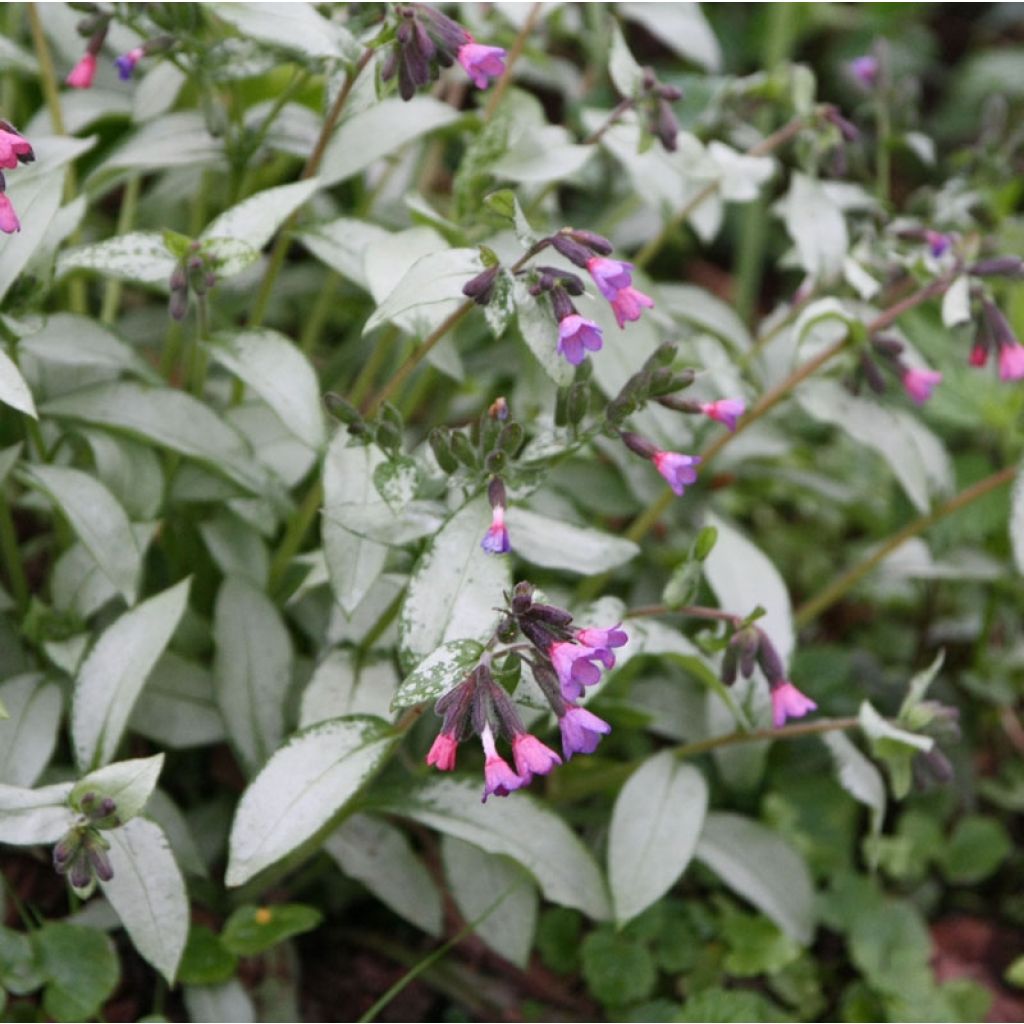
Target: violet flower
[(496, 540), (678, 470), (865, 69), (127, 61), (724, 410), (482, 62), (610, 276), (574, 665), (577, 336), (581, 731)]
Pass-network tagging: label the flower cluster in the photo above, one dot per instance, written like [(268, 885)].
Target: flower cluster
[(95, 27), (749, 646), (918, 382), (14, 150), (564, 661), (679, 471), (81, 853), (996, 335), (426, 41)]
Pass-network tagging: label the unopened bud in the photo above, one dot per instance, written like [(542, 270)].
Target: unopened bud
[(498, 409), (999, 266), (522, 597), (640, 445), (872, 374), (727, 673), (746, 642), (442, 450), (593, 241), (463, 450), (666, 127), (578, 403), (769, 660), (343, 409), (98, 858), (511, 438), (550, 614), (481, 288), (495, 461), (571, 249)]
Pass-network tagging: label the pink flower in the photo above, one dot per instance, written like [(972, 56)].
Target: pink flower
[(865, 70), (610, 276), (1011, 362), (676, 469), (83, 73), (12, 146), (481, 62), (725, 410), (496, 540), (574, 665), (442, 753), (979, 355), (532, 757), (577, 336), (919, 384), (581, 731), (601, 638), (9, 222), (938, 242), (127, 61), (628, 303), (789, 702), (499, 779)]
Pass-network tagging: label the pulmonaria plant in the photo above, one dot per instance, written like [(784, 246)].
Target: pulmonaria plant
[(14, 151), (564, 659)]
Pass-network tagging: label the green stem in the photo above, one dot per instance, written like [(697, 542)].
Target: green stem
[(379, 352), (198, 361), (125, 219), (12, 557), (813, 607), (514, 53), (786, 732), (883, 125), (325, 302), (295, 534)]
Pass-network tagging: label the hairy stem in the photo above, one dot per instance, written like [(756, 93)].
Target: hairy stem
[(125, 219)]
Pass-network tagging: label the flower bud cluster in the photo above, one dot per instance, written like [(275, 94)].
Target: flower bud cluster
[(654, 105), (192, 274), (887, 351), (564, 660), (95, 27), (14, 150), (81, 854)]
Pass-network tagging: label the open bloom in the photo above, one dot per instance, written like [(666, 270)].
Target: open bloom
[(725, 410), (610, 276), (13, 147), (499, 779), (127, 61), (9, 222), (919, 384), (83, 73), (789, 702), (865, 70), (1011, 362), (581, 731), (628, 304), (678, 470), (482, 63), (496, 540), (577, 336), (602, 638), (442, 753), (574, 665), (531, 756)]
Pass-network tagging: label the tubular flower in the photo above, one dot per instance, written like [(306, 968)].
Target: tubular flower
[(499, 779), (9, 222), (127, 61), (865, 69), (532, 757), (919, 384), (979, 354), (482, 63), (1011, 362), (724, 410), (610, 276), (83, 73), (577, 336), (496, 541), (581, 731), (789, 702), (574, 665), (628, 304), (14, 149), (443, 751), (678, 470)]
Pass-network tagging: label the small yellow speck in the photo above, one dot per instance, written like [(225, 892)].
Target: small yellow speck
[(263, 915)]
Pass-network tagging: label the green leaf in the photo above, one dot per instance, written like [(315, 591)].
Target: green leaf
[(729, 1006), (77, 341), (657, 818), (555, 544), (13, 389), (1016, 523), (397, 481), (379, 130), (539, 329), (626, 74), (250, 930), (618, 969), (894, 747), (280, 374), (454, 587), (178, 139), (759, 865), (236, 547), (298, 27), (29, 735), (347, 683), (302, 790), (137, 256), (148, 893), (115, 671), (682, 28), (342, 245), (816, 224), (918, 687), (97, 518), (36, 197), (256, 219), (756, 946), (19, 967), (29, 817), (228, 1001), (131, 471), (253, 669), (128, 783), (226, 257), (438, 672), (520, 828), (169, 419), (205, 961), (378, 854), (976, 849), (858, 776), (81, 969)]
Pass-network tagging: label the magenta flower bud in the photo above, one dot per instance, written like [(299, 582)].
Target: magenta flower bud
[(83, 73), (979, 352), (1011, 361), (126, 63), (577, 336), (442, 752), (9, 222), (14, 149), (919, 384), (581, 731), (628, 304), (482, 63), (499, 779), (610, 276), (724, 410), (677, 469), (531, 756), (789, 702), (865, 70)]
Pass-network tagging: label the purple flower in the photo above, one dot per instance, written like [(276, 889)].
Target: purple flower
[(789, 702), (442, 753), (610, 276), (865, 70), (938, 242), (496, 540), (581, 731), (725, 410), (577, 336), (482, 62), (628, 304), (13, 149), (127, 61), (532, 757), (677, 469), (919, 384), (9, 222), (602, 638), (574, 665), (499, 779), (82, 74), (1011, 361)]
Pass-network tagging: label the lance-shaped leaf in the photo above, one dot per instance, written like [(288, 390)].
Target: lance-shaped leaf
[(438, 672), (32, 816), (128, 783), (28, 737)]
